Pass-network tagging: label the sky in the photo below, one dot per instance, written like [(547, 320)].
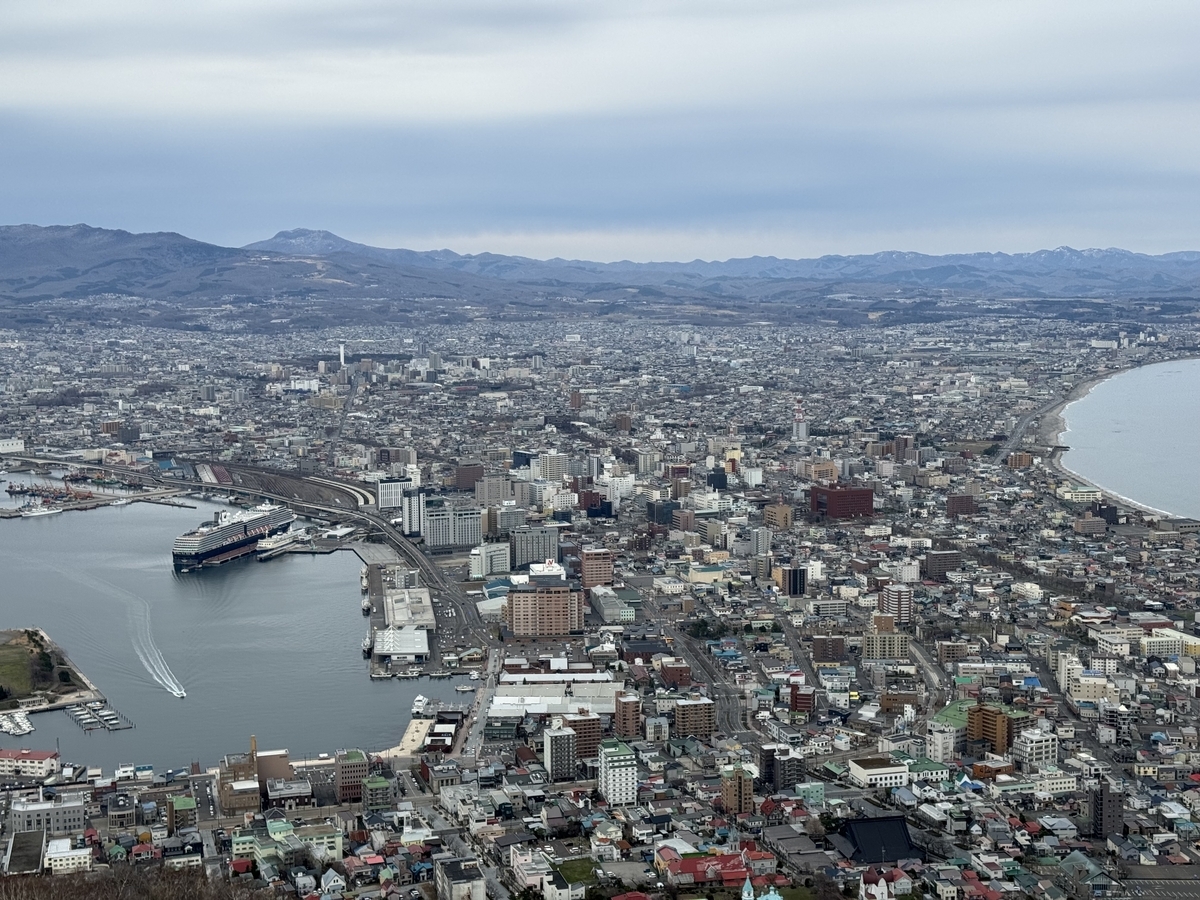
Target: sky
[(610, 130)]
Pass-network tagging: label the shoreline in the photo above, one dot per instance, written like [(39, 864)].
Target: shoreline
[(1052, 426)]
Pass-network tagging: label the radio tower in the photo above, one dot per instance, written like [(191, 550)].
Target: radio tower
[(799, 424)]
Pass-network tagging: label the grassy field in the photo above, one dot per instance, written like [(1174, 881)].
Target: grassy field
[(14, 669), (579, 870), (795, 893)]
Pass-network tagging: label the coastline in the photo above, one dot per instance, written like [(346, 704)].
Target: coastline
[(1052, 425)]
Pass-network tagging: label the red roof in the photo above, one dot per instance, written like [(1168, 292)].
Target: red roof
[(28, 754)]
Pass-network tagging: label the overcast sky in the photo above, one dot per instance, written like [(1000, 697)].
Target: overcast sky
[(605, 130)]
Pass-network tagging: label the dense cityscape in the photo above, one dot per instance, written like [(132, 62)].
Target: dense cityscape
[(747, 611)]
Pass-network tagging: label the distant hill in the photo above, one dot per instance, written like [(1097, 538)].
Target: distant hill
[(78, 261), (1062, 271)]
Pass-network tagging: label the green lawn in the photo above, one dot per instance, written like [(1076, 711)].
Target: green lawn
[(579, 870), (795, 893), (14, 670)]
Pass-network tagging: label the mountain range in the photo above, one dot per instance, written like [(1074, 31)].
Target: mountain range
[(65, 263)]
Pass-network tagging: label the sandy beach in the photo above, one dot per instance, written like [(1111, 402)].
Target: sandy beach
[(1052, 425)]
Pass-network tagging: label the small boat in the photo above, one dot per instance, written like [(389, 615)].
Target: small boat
[(123, 501), (181, 693), (420, 706), (366, 606), (474, 676), (464, 688), (366, 645)]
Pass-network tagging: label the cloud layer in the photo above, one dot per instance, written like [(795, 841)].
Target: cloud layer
[(610, 130)]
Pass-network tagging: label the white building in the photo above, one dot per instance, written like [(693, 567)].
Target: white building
[(490, 559), (62, 859), (1034, 750), (617, 780), (878, 772), (23, 764)]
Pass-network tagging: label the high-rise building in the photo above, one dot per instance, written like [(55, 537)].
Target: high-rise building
[(760, 541), (493, 489), (792, 580), (237, 782), (779, 516), (588, 730), (488, 559), (452, 526), (627, 720), (532, 544), (990, 724), (389, 492), (838, 502), (559, 753), (1035, 749), (896, 600), (695, 717), (617, 781), (595, 567), (828, 648), (466, 473), (885, 645), (544, 606), (376, 793), (790, 767), (737, 790), (1106, 810), (350, 767), (412, 513), (553, 466)]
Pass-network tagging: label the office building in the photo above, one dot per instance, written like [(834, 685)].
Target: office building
[(737, 791), (452, 526), (838, 502), (467, 473), (559, 754), (65, 813), (489, 559), (617, 781), (532, 544), (779, 516)]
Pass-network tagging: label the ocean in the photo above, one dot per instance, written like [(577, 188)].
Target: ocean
[(1136, 435), (271, 649)]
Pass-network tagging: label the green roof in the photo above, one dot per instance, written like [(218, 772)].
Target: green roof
[(353, 756), (925, 764), (183, 802)]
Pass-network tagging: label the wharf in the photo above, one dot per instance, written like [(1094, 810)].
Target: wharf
[(414, 739)]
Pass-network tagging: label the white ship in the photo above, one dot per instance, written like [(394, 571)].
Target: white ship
[(229, 535), (274, 542), (31, 512), (420, 707)]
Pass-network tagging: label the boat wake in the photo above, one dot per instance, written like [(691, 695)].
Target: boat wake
[(142, 635), (148, 652)]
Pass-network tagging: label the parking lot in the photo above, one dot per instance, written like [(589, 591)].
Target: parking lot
[(1186, 888)]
